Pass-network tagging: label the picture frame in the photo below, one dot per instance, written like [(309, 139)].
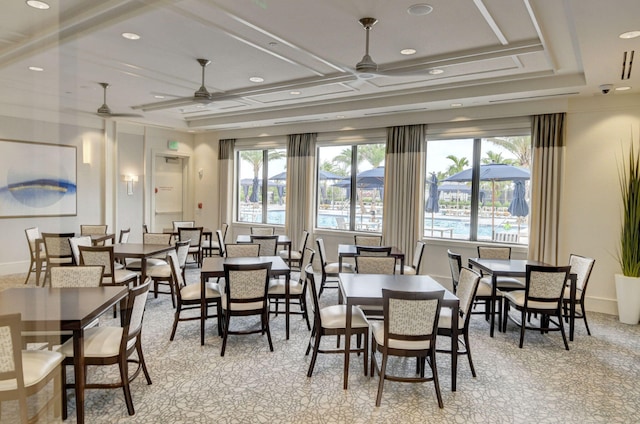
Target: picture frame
[(37, 179)]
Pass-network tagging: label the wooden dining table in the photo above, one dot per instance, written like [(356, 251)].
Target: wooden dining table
[(213, 267), (351, 250), (60, 309), (140, 251), (517, 268), (366, 289)]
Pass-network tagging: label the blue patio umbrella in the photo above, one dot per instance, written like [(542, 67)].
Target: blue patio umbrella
[(322, 175), (254, 190), (518, 206), (432, 202)]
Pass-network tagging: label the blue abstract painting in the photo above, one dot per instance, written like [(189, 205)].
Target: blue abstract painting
[(37, 179)]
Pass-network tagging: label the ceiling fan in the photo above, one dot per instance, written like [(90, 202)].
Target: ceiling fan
[(104, 111)]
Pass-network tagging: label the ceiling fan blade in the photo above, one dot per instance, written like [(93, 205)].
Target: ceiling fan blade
[(104, 111)]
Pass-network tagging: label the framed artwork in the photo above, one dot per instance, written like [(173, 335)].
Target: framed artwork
[(37, 179)]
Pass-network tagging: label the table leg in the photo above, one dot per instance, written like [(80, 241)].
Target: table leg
[(340, 263), (143, 270), (203, 306), (347, 345), (287, 305), (494, 283), (78, 368), (402, 264), (572, 305), (455, 313)]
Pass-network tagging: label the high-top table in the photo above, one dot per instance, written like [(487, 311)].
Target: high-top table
[(213, 267), (518, 268), (351, 250), (366, 289), (283, 240), (70, 308), (140, 251)]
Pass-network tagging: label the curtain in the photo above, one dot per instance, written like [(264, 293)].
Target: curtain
[(301, 150), (547, 137), (225, 180), (404, 176)]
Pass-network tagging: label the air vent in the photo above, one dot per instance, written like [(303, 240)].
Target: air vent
[(534, 97), (295, 121), (390, 112), (627, 63)]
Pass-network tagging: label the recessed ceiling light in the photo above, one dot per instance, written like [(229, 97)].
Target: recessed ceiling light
[(408, 52), (419, 9), (256, 79), (436, 71), (272, 44), (623, 88), (37, 4), (294, 93), (157, 96), (36, 68), (630, 34), (130, 35), (456, 104), (339, 116)]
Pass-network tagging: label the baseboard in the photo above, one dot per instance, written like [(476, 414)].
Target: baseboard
[(7, 268), (602, 305)]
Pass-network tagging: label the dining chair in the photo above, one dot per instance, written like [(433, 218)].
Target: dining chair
[(124, 235), (37, 254), (542, 295), (296, 255), (58, 251), (329, 269), (414, 268), (23, 373), (581, 266), (75, 243), (188, 297), (183, 224), (373, 250), (239, 250), (94, 230), (162, 274), (468, 284), (409, 329), (151, 238), (268, 244), (244, 293), (262, 231), (331, 321), (195, 246), (455, 265), (297, 287), (361, 240), (222, 249), (106, 345), (211, 245), (375, 264)]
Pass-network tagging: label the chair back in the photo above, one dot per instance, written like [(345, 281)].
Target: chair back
[(33, 234), (312, 295), (361, 240), (182, 252), (417, 255), (322, 253), (99, 255), (222, 247), (92, 230), (581, 266), (546, 284), (307, 260), (194, 234), (157, 238), (246, 283), (411, 316), (268, 244), (373, 250), (75, 243), (183, 224), (262, 231), (145, 228), (302, 243), (177, 279), (133, 315), (455, 264), (224, 229), (238, 250), (494, 252), (11, 372), (467, 287), (57, 247), (77, 276), (124, 236), (375, 265)]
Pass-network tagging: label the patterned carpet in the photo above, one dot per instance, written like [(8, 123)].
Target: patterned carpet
[(595, 382)]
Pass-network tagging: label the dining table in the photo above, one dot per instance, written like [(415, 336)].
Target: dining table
[(141, 251), (63, 309), (351, 250), (517, 268), (213, 267), (366, 289), (283, 240)]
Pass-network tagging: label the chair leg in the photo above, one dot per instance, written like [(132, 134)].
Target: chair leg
[(314, 355), (225, 333), (124, 376), (434, 370), (366, 351), (313, 333), (466, 345), (564, 336), (584, 317), (522, 328), (63, 382), (265, 326), (383, 371), (143, 364), (176, 318)]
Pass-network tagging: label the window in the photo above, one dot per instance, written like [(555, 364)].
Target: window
[(259, 202), (493, 208), (340, 167)]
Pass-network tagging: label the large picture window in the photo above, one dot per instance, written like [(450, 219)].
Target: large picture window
[(478, 189), (341, 168), (257, 201)]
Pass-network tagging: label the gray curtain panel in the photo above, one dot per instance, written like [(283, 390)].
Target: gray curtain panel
[(225, 179), (301, 150)]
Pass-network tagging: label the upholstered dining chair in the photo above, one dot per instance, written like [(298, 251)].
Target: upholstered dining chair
[(188, 297), (244, 293), (94, 230), (183, 224), (329, 269), (296, 255), (24, 373), (222, 250), (332, 321), (409, 330), (581, 266), (75, 243), (212, 244), (414, 268), (262, 231), (467, 286), (122, 238), (373, 250), (151, 238), (239, 250), (362, 240), (107, 345), (297, 287), (375, 264), (162, 274), (37, 254), (542, 295), (58, 251), (268, 244), (193, 234)]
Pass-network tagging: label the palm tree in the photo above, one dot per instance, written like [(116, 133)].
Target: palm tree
[(459, 164), (343, 160), (372, 153), (255, 159), (520, 147), (496, 157)]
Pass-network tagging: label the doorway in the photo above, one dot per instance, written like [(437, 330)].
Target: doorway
[(170, 188)]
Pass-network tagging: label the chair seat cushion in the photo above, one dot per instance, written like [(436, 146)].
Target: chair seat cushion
[(249, 306), (36, 365), (335, 316), (193, 291), (159, 271), (484, 289), (445, 319), (377, 330), (407, 270), (206, 244), (295, 255), (118, 265), (99, 342), (517, 298), (137, 265), (278, 287), (334, 267), (505, 283), (567, 293), (124, 275)]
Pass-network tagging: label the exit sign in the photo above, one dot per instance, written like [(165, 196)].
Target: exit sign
[(173, 145)]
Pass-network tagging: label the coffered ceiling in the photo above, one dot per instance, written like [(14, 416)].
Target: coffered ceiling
[(467, 53)]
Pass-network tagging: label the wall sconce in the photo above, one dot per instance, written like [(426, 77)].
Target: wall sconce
[(130, 179), (86, 151)]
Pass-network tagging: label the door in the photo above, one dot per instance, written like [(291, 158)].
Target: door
[(169, 191)]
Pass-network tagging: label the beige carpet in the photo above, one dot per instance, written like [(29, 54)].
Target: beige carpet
[(595, 382)]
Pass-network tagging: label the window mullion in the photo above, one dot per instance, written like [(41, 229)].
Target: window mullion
[(354, 188), (475, 190)]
